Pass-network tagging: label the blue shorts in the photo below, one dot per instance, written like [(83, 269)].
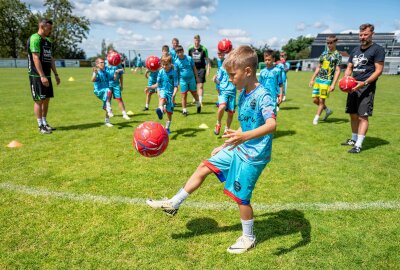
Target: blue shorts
[(188, 85), (116, 91), (169, 104), (228, 100), (103, 94), (240, 177)]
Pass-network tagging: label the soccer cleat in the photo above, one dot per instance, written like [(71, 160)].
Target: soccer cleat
[(110, 113), (49, 127), (108, 124), (145, 109), (199, 108), (355, 150), (159, 113), (185, 114), (44, 130), (217, 129), (349, 142), (329, 112), (315, 121), (126, 117), (168, 131), (242, 244), (164, 205)]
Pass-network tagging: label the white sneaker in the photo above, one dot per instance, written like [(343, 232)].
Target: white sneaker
[(110, 113), (315, 121), (108, 124), (164, 205), (327, 114), (242, 244), (126, 117), (284, 98)]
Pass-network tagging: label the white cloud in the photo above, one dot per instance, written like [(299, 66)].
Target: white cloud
[(187, 22), (326, 31), (348, 31), (397, 24), (230, 33), (301, 26), (320, 25)]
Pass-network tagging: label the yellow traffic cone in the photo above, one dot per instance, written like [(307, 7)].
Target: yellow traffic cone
[(14, 144)]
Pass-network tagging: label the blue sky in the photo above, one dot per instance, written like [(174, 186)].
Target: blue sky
[(149, 24)]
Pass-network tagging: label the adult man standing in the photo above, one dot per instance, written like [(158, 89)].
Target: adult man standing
[(40, 64), (199, 54), (366, 63)]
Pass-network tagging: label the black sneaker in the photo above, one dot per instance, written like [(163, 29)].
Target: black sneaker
[(355, 150), (185, 114), (199, 109), (145, 109), (349, 142), (44, 130), (49, 127)]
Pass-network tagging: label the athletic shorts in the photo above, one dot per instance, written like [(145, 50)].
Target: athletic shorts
[(103, 94), (240, 177), (361, 102), (321, 88), (228, 100), (188, 85), (38, 90), (169, 104), (201, 72), (116, 91)]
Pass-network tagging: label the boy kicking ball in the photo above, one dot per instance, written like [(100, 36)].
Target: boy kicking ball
[(241, 159)]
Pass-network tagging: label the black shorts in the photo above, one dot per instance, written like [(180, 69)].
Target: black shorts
[(38, 90), (202, 75), (361, 102)]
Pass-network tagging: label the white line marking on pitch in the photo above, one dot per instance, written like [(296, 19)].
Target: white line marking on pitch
[(317, 206)]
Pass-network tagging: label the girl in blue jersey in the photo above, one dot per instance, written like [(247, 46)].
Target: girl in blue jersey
[(167, 82), (241, 159)]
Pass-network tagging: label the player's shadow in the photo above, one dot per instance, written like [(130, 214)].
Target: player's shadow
[(335, 120), (281, 223), (97, 124), (372, 142), (283, 108), (184, 132), (282, 133)]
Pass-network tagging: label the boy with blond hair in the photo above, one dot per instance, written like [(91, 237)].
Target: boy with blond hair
[(240, 160)]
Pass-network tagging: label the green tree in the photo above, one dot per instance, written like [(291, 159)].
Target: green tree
[(14, 19), (304, 53), (260, 51), (68, 30), (294, 46)]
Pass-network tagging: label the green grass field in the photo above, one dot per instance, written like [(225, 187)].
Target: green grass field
[(75, 199)]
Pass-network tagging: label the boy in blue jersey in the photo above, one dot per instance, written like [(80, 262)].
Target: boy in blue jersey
[(286, 67), (172, 51), (241, 159), (151, 80), (116, 83), (220, 61), (167, 82), (188, 78), (139, 63), (226, 96), (100, 79), (271, 78)]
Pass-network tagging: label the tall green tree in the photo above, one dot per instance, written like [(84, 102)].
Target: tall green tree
[(260, 51), (295, 46), (14, 20), (68, 30)]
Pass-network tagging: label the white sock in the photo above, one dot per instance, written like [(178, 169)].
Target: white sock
[(179, 197), (39, 121), (44, 122), (147, 105), (201, 99), (354, 136), (360, 139), (108, 106), (124, 113), (167, 124), (198, 103), (247, 226), (106, 120), (184, 110), (316, 118)]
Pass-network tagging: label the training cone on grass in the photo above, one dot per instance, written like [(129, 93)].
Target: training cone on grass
[(71, 79), (14, 144), (204, 126)]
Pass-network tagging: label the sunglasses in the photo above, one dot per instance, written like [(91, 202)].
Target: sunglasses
[(330, 42)]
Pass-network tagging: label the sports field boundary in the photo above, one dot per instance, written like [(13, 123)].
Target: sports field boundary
[(89, 198)]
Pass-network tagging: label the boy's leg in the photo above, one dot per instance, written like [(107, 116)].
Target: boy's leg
[(248, 239), (184, 101), (220, 114), (229, 119), (196, 98)]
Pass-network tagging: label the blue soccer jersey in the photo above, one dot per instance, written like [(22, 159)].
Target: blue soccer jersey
[(167, 81), (173, 54), (271, 78), (254, 109), (224, 84), (111, 71), (101, 81), (152, 78), (219, 63), (184, 68)]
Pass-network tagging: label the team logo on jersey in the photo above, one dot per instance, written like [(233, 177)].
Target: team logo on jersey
[(237, 186), (360, 60), (253, 104)]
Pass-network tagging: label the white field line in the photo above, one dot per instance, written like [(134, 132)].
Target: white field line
[(316, 206)]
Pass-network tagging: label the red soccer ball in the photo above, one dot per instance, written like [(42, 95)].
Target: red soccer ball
[(225, 45), (347, 83), (114, 58), (153, 63), (150, 139)]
